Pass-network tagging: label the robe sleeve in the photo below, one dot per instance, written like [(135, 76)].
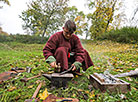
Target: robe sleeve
[(79, 51), (50, 59), (50, 46)]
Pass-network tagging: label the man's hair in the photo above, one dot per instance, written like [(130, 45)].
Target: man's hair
[(70, 25)]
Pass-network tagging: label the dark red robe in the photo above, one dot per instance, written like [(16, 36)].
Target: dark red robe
[(59, 47)]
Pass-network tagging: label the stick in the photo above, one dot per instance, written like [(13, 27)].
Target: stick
[(37, 90)]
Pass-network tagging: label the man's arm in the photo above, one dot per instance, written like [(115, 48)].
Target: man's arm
[(49, 49), (52, 61), (79, 53), (76, 65)]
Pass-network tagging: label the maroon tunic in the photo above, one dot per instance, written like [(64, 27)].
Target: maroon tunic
[(59, 47)]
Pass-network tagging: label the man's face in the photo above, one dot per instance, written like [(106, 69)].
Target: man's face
[(66, 33)]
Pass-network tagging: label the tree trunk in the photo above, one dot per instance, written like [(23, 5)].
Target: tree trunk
[(110, 16), (43, 34), (46, 25), (135, 12), (86, 35)]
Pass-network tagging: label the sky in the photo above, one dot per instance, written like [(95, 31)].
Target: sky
[(12, 24)]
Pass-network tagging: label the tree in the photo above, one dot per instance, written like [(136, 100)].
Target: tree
[(87, 28), (2, 32), (8, 3), (102, 19), (5, 1), (133, 19), (44, 16), (78, 17)]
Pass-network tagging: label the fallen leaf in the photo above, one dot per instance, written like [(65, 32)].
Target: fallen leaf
[(92, 100), (42, 71), (129, 79), (44, 95), (50, 72), (31, 86), (88, 77), (38, 81), (80, 90), (92, 94), (76, 76), (119, 70), (87, 92), (122, 96), (12, 88), (74, 95), (134, 88), (97, 68)]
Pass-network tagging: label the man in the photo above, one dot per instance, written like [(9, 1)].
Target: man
[(65, 47)]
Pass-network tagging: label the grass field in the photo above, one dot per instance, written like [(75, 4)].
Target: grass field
[(116, 57)]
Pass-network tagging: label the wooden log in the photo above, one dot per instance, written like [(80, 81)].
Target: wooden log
[(131, 73)]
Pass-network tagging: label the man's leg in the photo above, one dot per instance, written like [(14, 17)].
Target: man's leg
[(61, 57), (71, 60)]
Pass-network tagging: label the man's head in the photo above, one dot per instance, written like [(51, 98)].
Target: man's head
[(68, 29)]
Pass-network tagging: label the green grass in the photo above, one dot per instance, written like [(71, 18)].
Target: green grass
[(122, 57)]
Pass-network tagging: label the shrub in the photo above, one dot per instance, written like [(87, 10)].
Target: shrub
[(125, 35), (23, 39)]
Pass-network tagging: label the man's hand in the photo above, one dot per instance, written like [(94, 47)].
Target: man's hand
[(74, 67), (53, 64)]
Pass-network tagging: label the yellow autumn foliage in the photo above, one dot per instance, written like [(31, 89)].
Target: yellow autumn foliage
[(77, 18), (2, 32), (44, 95)]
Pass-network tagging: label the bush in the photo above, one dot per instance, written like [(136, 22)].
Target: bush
[(125, 35), (23, 39)]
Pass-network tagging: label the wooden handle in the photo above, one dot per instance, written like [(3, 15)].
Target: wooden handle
[(33, 77), (37, 90)]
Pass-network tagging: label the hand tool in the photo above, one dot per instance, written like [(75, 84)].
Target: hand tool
[(67, 70)]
